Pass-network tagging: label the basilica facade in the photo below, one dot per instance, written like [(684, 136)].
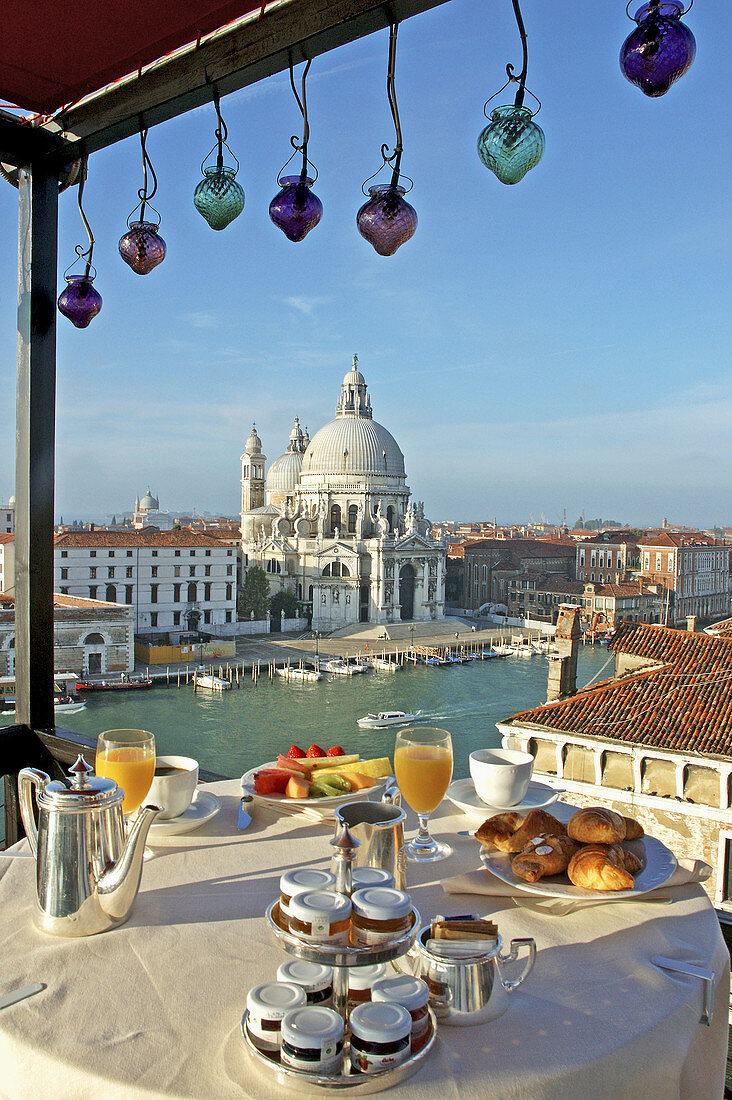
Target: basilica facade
[(333, 521)]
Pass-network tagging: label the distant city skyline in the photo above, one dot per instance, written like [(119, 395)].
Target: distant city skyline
[(557, 344)]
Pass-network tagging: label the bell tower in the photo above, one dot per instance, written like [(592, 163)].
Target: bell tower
[(252, 473)]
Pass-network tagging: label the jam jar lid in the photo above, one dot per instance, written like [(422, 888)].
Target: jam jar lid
[(363, 977), (271, 1000), (314, 1028), (410, 993), (380, 1022), (305, 878), (371, 876), (320, 903), (312, 977), (381, 903)]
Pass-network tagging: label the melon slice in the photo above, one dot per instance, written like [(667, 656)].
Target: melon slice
[(297, 787), (320, 763)]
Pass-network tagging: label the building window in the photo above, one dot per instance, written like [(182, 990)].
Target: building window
[(176, 553), (92, 553), (154, 571), (658, 562), (229, 570), (111, 596), (176, 593), (92, 592), (92, 572), (228, 617), (153, 593), (193, 553), (64, 574), (128, 593), (192, 592), (128, 571), (582, 557), (64, 553), (129, 553), (335, 519), (153, 618), (352, 517), (228, 553), (111, 554), (207, 616), (110, 571), (176, 618), (230, 591), (154, 553), (207, 570), (670, 566), (208, 554), (207, 591), (647, 561), (176, 570), (191, 570), (64, 591)]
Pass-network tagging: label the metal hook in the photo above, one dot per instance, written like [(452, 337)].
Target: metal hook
[(656, 4), (521, 78), (301, 99), (81, 252), (143, 194), (394, 158)]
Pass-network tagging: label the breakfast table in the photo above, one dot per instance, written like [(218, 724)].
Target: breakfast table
[(153, 1008)]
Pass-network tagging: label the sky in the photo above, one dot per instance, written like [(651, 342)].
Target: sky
[(563, 343)]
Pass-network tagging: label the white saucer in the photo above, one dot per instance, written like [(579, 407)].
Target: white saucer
[(463, 795), (203, 807)]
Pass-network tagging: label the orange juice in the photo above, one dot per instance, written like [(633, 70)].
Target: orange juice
[(132, 768), (423, 773)]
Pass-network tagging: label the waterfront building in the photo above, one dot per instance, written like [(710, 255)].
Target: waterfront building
[(606, 557), (492, 565), (654, 741), (7, 517), (148, 513), (173, 580), (695, 568), (603, 606), (89, 636), (333, 521)]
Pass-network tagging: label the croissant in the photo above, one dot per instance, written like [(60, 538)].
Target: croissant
[(546, 855), (509, 832), (596, 825), (633, 829), (600, 867)]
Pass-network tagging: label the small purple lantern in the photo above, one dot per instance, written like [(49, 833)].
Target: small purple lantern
[(386, 220), (296, 209), (660, 49), (142, 247), (80, 302)]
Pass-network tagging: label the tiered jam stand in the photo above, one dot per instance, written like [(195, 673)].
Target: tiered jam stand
[(341, 958)]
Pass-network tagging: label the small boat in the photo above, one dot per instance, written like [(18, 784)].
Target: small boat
[(386, 718), (383, 664), (126, 683), (339, 667), (64, 704), (291, 673), (210, 682)]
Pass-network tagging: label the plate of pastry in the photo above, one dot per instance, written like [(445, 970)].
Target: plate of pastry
[(596, 853)]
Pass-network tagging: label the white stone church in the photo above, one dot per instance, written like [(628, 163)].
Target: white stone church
[(333, 521)]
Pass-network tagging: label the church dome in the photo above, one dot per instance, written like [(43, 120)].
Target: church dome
[(149, 502), (354, 446), (253, 444), (284, 473)]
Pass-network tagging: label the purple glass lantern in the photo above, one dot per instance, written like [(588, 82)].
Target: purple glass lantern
[(295, 209), (142, 247), (386, 220), (80, 302), (660, 49)]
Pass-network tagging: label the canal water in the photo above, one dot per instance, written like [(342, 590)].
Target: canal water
[(233, 731)]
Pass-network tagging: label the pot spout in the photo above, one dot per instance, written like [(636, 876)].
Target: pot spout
[(118, 886)]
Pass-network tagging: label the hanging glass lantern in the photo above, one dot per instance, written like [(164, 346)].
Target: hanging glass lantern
[(386, 220), (141, 247), (511, 144), (218, 197), (296, 209), (80, 302), (660, 49)]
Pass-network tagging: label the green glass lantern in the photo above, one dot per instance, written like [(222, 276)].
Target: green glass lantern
[(218, 197), (511, 144)]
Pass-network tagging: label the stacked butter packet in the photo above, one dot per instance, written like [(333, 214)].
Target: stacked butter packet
[(458, 939)]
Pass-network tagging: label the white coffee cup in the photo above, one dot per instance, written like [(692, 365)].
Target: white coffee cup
[(501, 776), (175, 789)]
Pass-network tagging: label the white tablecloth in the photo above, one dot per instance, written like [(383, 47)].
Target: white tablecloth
[(154, 1008)]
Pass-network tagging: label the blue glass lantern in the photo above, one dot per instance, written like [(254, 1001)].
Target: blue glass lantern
[(512, 143), (218, 197)]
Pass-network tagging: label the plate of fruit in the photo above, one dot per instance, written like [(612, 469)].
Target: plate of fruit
[(316, 777)]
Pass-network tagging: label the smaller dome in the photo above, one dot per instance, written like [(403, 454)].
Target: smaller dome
[(253, 443), (284, 473), (149, 502), (354, 378), (11, 502)]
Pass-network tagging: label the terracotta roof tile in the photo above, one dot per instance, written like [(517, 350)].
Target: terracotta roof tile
[(146, 536), (682, 703)]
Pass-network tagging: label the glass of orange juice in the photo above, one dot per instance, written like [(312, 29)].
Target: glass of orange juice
[(423, 770), (128, 758)]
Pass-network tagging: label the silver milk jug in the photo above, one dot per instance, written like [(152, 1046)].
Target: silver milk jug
[(87, 873), (471, 989), (379, 828)]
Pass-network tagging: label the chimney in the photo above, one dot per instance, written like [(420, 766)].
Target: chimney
[(691, 623), (563, 664)]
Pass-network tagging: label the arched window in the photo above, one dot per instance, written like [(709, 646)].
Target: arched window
[(111, 596), (335, 518), (229, 591), (192, 592), (352, 516), (310, 593), (390, 517), (94, 639), (299, 591)]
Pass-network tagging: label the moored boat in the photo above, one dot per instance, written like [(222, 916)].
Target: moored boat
[(308, 674), (126, 683)]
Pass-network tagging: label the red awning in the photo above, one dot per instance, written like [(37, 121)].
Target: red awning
[(53, 52)]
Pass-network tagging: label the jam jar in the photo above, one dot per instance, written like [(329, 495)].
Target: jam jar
[(379, 1036), (360, 980), (371, 876), (315, 979), (300, 880), (321, 916), (312, 1040), (412, 994), (380, 914), (266, 1005)]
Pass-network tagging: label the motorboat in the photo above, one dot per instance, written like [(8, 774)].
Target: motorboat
[(339, 667), (210, 682), (292, 673), (383, 664), (386, 718)]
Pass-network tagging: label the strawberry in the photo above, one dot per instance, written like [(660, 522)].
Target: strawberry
[(295, 753), (314, 751), (335, 750)]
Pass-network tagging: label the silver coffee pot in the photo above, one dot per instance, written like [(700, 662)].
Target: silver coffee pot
[(379, 829), (87, 872)]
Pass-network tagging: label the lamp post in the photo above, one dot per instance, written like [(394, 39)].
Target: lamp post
[(411, 632), (317, 649)]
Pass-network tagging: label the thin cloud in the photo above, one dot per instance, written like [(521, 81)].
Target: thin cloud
[(202, 320), (307, 306)]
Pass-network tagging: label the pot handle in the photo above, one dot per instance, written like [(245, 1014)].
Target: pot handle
[(392, 795), (516, 945), (26, 777)]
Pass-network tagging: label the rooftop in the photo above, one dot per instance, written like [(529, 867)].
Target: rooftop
[(146, 536)]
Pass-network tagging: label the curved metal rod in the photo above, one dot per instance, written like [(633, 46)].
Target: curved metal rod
[(303, 173), (521, 79), (511, 80), (89, 252), (143, 194), (303, 105), (656, 4), (220, 156), (396, 156)]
